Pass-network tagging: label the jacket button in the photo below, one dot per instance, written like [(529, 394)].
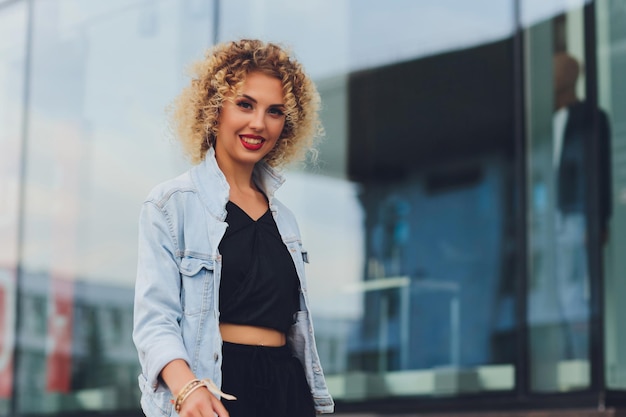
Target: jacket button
[(216, 356)]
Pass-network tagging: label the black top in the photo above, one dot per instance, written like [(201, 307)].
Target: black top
[(585, 124), (259, 285)]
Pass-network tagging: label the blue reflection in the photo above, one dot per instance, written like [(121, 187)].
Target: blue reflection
[(433, 276), (540, 197)]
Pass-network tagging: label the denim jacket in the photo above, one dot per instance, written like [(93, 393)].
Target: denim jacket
[(176, 294)]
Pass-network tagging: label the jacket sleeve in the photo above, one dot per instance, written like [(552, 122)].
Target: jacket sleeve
[(157, 306)]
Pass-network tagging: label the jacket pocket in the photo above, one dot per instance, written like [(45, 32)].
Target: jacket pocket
[(197, 285)]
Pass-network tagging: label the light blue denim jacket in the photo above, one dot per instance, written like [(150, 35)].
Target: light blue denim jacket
[(178, 279)]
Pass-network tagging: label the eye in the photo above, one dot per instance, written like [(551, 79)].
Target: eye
[(244, 104), (275, 111)]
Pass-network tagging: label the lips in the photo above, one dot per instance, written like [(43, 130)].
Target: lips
[(252, 142)]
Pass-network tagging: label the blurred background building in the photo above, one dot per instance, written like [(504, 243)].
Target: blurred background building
[(467, 236)]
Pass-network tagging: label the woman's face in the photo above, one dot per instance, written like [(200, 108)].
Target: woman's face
[(251, 122)]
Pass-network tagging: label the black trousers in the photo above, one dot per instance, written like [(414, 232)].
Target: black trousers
[(267, 381)]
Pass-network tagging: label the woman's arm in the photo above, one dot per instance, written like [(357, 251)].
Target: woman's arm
[(158, 312), (157, 307), (201, 402)]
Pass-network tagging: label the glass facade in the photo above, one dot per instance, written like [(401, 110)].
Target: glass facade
[(464, 243), (559, 133), (101, 75), (13, 39), (611, 56)]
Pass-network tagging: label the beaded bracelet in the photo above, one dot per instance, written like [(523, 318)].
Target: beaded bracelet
[(193, 385)]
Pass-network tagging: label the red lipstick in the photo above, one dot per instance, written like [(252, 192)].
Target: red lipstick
[(252, 142)]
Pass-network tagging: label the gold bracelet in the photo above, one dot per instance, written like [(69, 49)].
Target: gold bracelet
[(188, 393), (193, 385), (184, 392)]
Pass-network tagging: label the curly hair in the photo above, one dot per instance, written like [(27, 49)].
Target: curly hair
[(220, 76)]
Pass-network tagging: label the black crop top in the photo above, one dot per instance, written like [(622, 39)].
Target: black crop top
[(259, 284)]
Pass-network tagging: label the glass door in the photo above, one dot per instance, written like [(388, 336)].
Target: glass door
[(561, 125), (611, 55)]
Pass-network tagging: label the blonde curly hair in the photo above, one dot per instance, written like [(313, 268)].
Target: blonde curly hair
[(220, 76)]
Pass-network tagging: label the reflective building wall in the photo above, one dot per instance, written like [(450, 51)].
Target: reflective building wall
[(466, 222)]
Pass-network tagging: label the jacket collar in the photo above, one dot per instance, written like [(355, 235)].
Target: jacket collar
[(214, 189)]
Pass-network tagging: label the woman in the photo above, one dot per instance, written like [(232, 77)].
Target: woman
[(221, 303)]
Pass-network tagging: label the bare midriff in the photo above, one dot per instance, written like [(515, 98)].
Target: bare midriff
[(251, 335)]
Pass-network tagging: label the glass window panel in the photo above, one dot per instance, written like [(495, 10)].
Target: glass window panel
[(560, 129), (537, 11), (352, 35), (408, 217), (291, 23), (13, 32), (611, 15), (102, 76), (384, 32)]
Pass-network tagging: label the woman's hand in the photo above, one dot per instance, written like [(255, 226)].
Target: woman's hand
[(202, 403)]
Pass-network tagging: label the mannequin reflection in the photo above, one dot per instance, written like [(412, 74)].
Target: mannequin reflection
[(576, 124)]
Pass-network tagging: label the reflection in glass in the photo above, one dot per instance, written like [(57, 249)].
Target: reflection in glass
[(563, 125), (436, 196), (13, 30), (409, 216), (612, 97), (102, 75)]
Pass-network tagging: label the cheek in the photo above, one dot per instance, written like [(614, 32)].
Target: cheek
[(281, 127), (276, 128), (285, 130)]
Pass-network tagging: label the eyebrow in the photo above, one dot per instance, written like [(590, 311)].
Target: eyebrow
[(254, 100)]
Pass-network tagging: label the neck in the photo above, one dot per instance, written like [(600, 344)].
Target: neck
[(239, 177)]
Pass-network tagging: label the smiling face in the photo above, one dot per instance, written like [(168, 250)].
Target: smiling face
[(251, 122)]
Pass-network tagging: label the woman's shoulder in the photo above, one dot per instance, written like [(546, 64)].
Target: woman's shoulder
[(166, 190)]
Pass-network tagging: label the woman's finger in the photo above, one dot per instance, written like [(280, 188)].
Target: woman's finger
[(201, 403), (218, 407)]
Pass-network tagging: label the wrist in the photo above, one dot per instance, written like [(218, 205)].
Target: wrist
[(192, 386), (185, 392)]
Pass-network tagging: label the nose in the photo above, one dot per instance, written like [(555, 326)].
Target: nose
[(257, 122)]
